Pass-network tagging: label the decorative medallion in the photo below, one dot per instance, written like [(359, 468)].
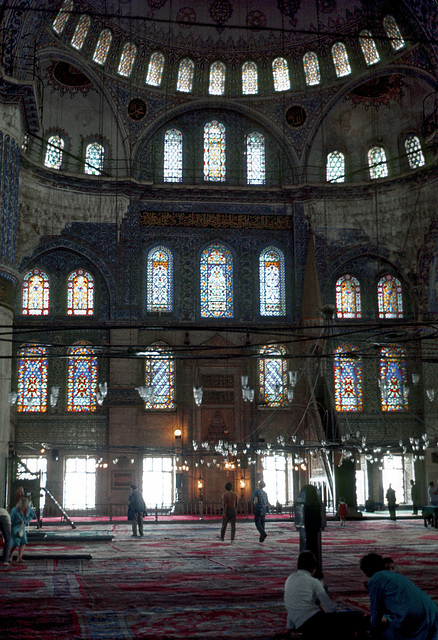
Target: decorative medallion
[(256, 20), (67, 78), (377, 92), (296, 116), (156, 4), (137, 109), (289, 8), (326, 6), (186, 17), (221, 11)]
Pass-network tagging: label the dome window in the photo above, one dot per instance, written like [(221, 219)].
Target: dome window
[(127, 58), (311, 69), (216, 84), (249, 78), (155, 69), (393, 33), (377, 163), (186, 72), (82, 27), (102, 47), (280, 70), (173, 156), (414, 152), (335, 169), (368, 47), (255, 158), (63, 16), (340, 60)]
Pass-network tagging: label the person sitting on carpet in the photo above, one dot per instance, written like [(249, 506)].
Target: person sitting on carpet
[(229, 514), (21, 515), (311, 612), (399, 609)]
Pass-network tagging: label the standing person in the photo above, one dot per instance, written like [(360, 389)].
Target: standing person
[(342, 511), (390, 498), (21, 515), (229, 513), (5, 528), (260, 503), (311, 612), (399, 609), (414, 497), (136, 509)]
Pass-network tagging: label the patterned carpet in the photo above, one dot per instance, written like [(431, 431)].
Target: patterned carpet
[(181, 581)]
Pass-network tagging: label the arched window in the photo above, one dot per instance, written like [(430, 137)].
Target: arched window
[(255, 158), (280, 70), (80, 293), (348, 303), (335, 169), (250, 84), (214, 152), (32, 379), (54, 152), (393, 33), (368, 47), (103, 46), (160, 280), (155, 69), (311, 69), (389, 297), (127, 58), (273, 375), (80, 33), (63, 16), (35, 293), (414, 152), (81, 379), (94, 158), (348, 378), (272, 282), (160, 375), (186, 72), (216, 83), (393, 379), (216, 284), (340, 59), (377, 163), (173, 156)]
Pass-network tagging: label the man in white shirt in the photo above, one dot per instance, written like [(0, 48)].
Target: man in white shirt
[(311, 612)]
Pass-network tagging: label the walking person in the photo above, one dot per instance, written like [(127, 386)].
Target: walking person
[(414, 496), (5, 528), (342, 511), (21, 515), (136, 509), (390, 498), (260, 503), (229, 513)]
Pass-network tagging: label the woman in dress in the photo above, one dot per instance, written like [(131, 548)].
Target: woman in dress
[(21, 515)]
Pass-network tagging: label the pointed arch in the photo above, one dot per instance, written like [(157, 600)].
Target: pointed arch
[(348, 299), (273, 375), (32, 379), (389, 297), (80, 293), (35, 297), (186, 71), (216, 282), (103, 46), (155, 69), (340, 59), (81, 379), (348, 378), (160, 374), (160, 279), (393, 379), (272, 282)]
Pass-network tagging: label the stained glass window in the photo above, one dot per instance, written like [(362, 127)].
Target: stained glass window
[(62, 18), (54, 152), (81, 379), (348, 378), (32, 379), (214, 152), (335, 169), (280, 72), (127, 58), (393, 33), (255, 158), (80, 293), (272, 282), (393, 381), (35, 293), (94, 158), (160, 374), (377, 163), (217, 296), (155, 69), (311, 68), (389, 297), (414, 152), (103, 46), (368, 47), (160, 279), (80, 33), (273, 376), (340, 59), (216, 84), (250, 84), (173, 156), (348, 304), (186, 72)]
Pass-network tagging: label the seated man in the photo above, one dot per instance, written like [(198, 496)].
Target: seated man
[(399, 609), (311, 612)]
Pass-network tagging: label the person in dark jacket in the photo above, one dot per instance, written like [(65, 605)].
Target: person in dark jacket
[(136, 509)]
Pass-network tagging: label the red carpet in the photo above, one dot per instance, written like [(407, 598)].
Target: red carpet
[(180, 581)]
